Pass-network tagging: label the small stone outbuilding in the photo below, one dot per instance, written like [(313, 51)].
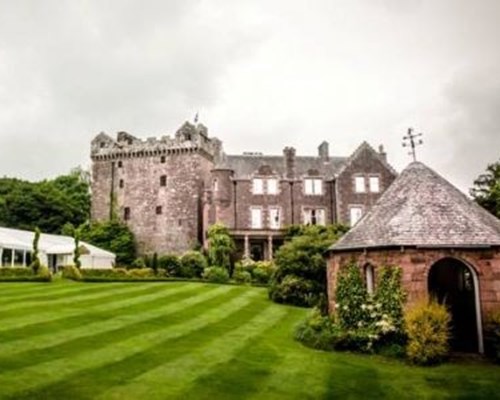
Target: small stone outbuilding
[(447, 246)]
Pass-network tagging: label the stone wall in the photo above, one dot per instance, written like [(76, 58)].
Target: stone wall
[(364, 162), (416, 264), (161, 182)]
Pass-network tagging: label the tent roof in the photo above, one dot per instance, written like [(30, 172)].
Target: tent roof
[(49, 244)]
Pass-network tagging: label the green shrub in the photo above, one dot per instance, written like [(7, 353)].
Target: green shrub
[(427, 327), (318, 331), (171, 264), (139, 263), (492, 335), (351, 298), (242, 276), (216, 274), (15, 272), (295, 290), (193, 263), (43, 274), (71, 272), (141, 273), (300, 264), (103, 273), (25, 274), (262, 271), (391, 296)]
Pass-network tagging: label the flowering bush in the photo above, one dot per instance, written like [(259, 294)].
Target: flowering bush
[(364, 322)]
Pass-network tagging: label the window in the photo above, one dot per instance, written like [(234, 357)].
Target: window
[(126, 213), (162, 159), (216, 185), (369, 277), (272, 186), (374, 184), (256, 218), (274, 218), (120, 184), (359, 184), (102, 145), (120, 164), (257, 186), (163, 180), (158, 210), (313, 186), (314, 216), (355, 215)]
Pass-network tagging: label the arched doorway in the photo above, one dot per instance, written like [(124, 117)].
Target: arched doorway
[(455, 284)]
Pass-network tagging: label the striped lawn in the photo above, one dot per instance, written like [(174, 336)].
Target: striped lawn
[(191, 340)]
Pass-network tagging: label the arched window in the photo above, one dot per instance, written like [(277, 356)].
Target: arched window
[(369, 278)]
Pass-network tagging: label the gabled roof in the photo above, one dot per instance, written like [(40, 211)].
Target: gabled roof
[(362, 147), (244, 166), (422, 209), (49, 244)]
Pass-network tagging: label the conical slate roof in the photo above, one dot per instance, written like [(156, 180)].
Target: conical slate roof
[(422, 209)]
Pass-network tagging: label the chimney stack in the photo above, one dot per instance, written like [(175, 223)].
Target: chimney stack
[(382, 152), (323, 151), (289, 155)]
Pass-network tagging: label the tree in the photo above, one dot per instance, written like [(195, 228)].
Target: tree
[(221, 246), (300, 275), (114, 236), (35, 264), (48, 204), (486, 190), (76, 255)]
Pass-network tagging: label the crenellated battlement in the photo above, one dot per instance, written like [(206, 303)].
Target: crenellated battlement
[(189, 139)]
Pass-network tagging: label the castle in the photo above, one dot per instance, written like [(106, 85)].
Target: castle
[(170, 190)]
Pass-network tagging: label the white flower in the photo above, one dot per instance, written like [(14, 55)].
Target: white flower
[(363, 306)]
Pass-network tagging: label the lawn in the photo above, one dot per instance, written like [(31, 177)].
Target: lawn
[(191, 340)]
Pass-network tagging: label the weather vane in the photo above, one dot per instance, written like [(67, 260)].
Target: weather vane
[(411, 140)]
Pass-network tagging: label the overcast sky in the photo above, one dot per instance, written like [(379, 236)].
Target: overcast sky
[(262, 74)]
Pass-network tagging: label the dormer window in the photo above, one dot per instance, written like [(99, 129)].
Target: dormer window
[(313, 186), (258, 186), (102, 145)]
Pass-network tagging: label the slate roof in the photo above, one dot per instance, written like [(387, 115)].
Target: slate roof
[(244, 166), (422, 209)]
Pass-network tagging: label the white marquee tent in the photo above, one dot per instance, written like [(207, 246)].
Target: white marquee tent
[(55, 251)]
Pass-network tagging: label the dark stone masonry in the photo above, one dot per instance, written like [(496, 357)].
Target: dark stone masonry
[(170, 190)]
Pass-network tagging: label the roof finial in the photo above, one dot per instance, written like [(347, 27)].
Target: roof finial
[(410, 141), (196, 116)]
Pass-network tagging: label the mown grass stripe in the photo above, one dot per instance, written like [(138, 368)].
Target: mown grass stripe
[(264, 362), (25, 288), (89, 383), (178, 374), (70, 339), (41, 374), (25, 307), (56, 314), (54, 291), (135, 302)]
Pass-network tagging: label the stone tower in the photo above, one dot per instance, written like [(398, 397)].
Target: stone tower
[(156, 185)]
